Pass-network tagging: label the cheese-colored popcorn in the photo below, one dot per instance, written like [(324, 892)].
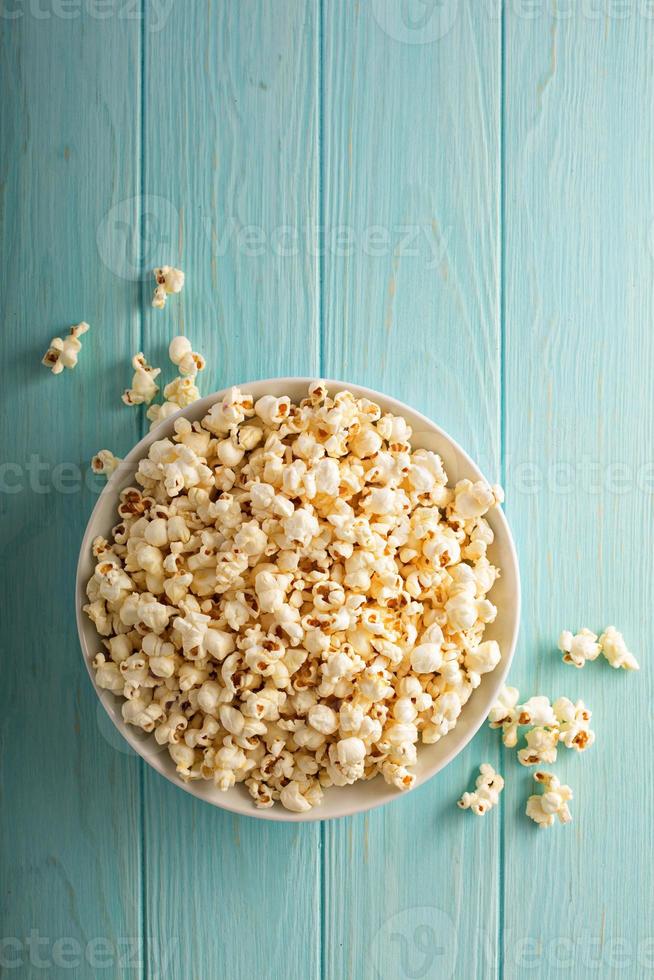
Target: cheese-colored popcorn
[(105, 463), (294, 599), (580, 647), (62, 353), (615, 650), (545, 807), (144, 386), (169, 280), (488, 786)]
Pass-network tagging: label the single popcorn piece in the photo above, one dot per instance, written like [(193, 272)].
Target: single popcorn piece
[(579, 648), (169, 280), (182, 391), (63, 353), (188, 361), (543, 808), (615, 650), (489, 784), (504, 715), (573, 722), (159, 413), (537, 712), (540, 748), (105, 463), (291, 599), (143, 387)]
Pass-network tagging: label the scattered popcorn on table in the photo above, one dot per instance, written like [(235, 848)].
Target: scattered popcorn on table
[(169, 280), (504, 715), (573, 722), (188, 361), (549, 725), (104, 463), (579, 648), (540, 748), (615, 650), (537, 712), (160, 412), (182, 391), (285, 602), (544, 807), (489, 784), (63, 353), (143, 387)]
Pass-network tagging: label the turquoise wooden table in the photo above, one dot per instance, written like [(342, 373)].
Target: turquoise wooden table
[(451, 202)]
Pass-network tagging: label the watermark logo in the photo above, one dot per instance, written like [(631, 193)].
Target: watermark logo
[(415, 21), (416, 944), (135, 234)]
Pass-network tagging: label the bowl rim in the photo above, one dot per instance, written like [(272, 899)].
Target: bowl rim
[(139, 741)]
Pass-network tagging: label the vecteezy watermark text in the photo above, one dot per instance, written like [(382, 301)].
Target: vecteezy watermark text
[(155, 13), (100, 953), (427, 21), (584, 475)]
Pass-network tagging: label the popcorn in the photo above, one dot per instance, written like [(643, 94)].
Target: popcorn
[(541, 747), (169, 280), (294, 599), (105, 463), (143, 387), (579, 648), (159, 413), (63, 353), (182, 391), (537, 711), (544, 807), (504, 715), (188, 361), (573, 721), (615, 650), (489, 784)]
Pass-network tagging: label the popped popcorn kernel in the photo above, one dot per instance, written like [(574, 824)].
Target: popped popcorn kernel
[(489, 784), (544, 808), (615, 650), (105, 463), (63, 353), (540, 748), (578, 648), (169, 280), (143, 387)]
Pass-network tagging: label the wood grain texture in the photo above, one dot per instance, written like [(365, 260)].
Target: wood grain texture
[(70, 828), (579, 360), (450, 204), (411, 164), (231, 146)]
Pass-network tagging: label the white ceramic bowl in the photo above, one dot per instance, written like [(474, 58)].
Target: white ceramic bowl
[(339, 801)]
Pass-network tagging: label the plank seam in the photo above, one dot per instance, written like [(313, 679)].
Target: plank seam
[(321, 361), (141, 293), (502, 367)]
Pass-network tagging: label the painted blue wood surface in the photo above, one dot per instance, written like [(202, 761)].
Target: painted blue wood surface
[(452, 203)]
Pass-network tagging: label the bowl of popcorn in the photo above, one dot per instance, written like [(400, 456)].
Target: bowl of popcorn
[(297, 599)]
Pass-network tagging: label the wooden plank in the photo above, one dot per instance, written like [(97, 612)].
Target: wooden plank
[(411, 307), (231, 148), (579, 416), (70, 844)]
